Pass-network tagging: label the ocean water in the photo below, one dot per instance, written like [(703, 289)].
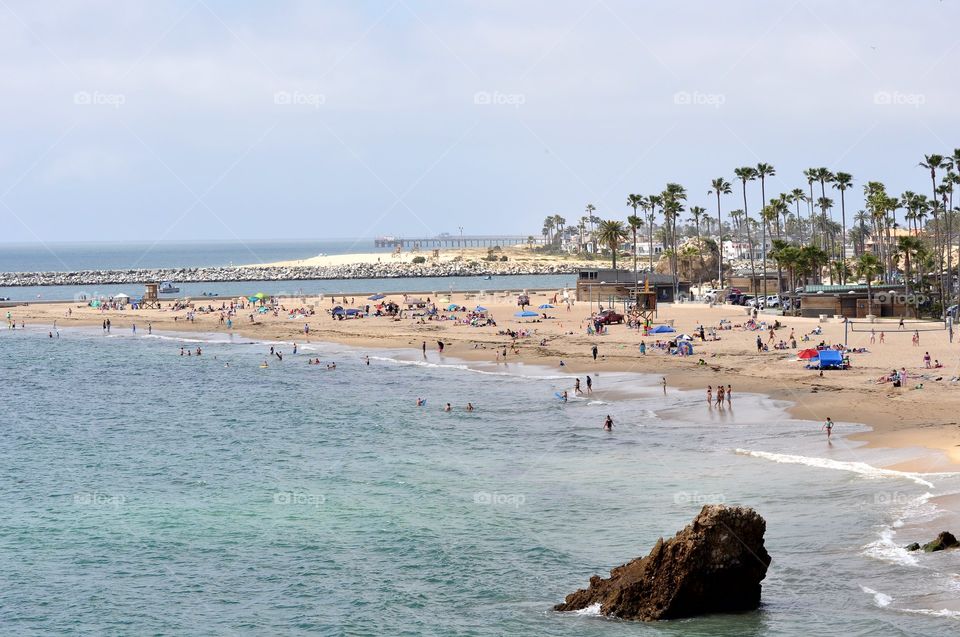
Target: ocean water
[(73, 257), (151, 493)]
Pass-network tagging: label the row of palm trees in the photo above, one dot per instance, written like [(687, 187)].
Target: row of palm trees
[(806, 244)]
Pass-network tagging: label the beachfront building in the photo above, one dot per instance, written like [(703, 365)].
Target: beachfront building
[(851, 301), (601, 284)]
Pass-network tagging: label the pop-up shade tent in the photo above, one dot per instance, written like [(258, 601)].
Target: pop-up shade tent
[(662, 329), (831, 359)]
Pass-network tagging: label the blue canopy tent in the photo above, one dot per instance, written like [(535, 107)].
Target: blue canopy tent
[(453, 307), (526, 313), (546, 306), (831, 359), (376, 297), (662, 329), (479, 308)]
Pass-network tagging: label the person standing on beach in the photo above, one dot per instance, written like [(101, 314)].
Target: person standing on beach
[(663, 381), (440, 346), (926, 360), (829, 427), (594, 350), (729, 395), (576, 387), (710, 395), (643, 348), (720, 396), (873, 336), (882, 337), (589, 384), (759, 343), (424, 348), (899, 327)]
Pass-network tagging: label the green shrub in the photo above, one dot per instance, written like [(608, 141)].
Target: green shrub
[(419, 259)]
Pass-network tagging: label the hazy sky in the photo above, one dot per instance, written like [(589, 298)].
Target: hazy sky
[(224, 119)]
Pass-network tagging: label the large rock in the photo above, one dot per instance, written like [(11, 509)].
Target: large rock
[(945, 540), (714, 565)]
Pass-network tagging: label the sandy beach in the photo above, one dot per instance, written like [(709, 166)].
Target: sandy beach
[(900, 417)]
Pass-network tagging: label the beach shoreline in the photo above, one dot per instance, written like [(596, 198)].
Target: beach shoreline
[(916, 419)]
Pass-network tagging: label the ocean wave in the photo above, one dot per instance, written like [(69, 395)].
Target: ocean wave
[(887, 550), (464, 367), (861, 468), (593, 610), (943, 612), (882, 600)]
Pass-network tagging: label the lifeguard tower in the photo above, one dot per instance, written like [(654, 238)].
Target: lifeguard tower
[(645, 303), (151, 296)]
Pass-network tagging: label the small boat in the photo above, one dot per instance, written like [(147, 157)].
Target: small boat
[(168, 288)]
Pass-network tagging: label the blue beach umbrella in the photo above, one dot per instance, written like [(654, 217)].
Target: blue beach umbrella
[(525, 314), (546, 306), (479, 308), (376, 297), (453, 307)]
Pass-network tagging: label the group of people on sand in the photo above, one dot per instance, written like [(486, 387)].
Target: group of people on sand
[(723, 394)]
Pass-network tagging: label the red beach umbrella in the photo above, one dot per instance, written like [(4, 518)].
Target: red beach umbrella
[(808, 353)]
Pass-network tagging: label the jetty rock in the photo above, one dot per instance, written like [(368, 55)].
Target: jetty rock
[(945, 540), (714, 565)]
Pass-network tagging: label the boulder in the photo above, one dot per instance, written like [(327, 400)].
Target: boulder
[(714, 565), (912, 547), (945, 540)]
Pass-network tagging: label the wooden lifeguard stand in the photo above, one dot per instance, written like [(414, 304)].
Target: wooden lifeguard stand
[(645, 303), (151, 296)]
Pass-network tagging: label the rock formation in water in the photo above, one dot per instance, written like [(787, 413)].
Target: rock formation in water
[(714, 565), (945, 540)]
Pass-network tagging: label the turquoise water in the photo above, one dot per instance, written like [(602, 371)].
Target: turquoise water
[(149, 493)]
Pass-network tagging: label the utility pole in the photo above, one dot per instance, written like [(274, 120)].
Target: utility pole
[(461, 243)]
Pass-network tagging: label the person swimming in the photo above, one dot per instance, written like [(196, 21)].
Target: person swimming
[(469, 406), (608, 423), (448, 407), (421, 402)]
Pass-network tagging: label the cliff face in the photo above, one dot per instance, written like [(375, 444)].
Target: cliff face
[(713, 565)]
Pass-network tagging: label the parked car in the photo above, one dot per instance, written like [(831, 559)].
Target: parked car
[(711, 295), (609, 317)]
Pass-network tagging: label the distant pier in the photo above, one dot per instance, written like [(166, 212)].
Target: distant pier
[(455, 241)]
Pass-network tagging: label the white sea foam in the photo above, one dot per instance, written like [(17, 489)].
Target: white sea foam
[(882, 600), (466, 368), (943, 612), (861, 468), (886, 549), (593, 610)]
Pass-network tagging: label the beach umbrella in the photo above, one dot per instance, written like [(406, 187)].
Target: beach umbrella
[(546, 306), (479, 308), (526, 313), (376, 297), (807, 354), (260, 295), (252, 299), (121, 296), (453, 307)]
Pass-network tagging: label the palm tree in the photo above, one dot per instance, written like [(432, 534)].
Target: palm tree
[(910, 248), (611, 234), (795, 197), (932, 163), (548, 225), (841, 182), (745, 174), (593, 237), (719, 186), (673, 196), (652, 201), (635, 223), (560, 222), (867, 267), (698, 213), (763, 171)]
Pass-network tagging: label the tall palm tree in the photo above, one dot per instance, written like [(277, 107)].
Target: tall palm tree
[(841, 182), (810, 175), (593, 237), (653, 201), (548, 225), (763, 171), (635, 223), (868, 267), (933, 163), (673, 197), (697, 213), (796, 196), (611, 234), (745, 174), (910, 248), (719, 186)]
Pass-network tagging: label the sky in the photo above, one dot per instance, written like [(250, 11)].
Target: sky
[(232, 120)]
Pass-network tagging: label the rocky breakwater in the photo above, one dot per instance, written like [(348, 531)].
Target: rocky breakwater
[(293, 273), (714, 565)]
